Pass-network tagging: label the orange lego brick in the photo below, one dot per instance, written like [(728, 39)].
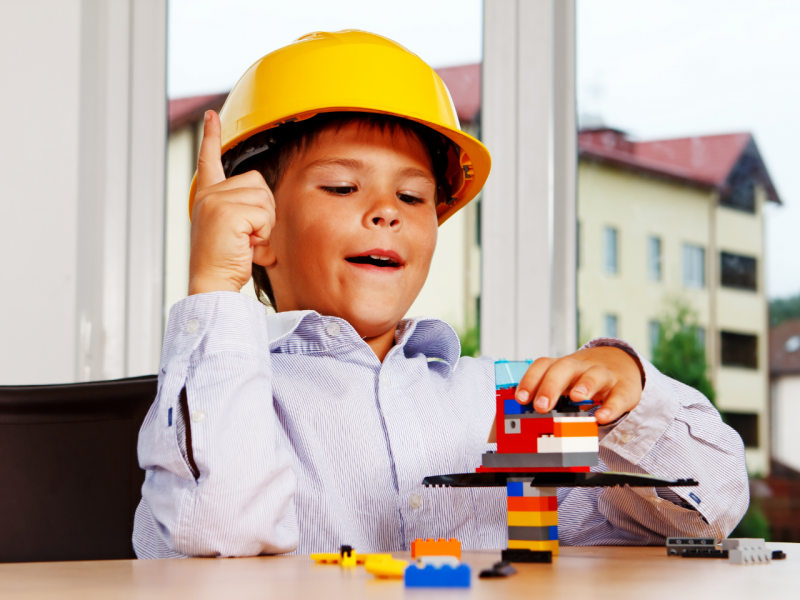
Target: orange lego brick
[(540, 504), (440, 547), (575, 429)]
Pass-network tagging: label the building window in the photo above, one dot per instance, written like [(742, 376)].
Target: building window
[(654, 327), (746, 425), (738, 271), (611, 323), (654, 258), (701, 336), (611, 239), (738, 350), (694, 266)]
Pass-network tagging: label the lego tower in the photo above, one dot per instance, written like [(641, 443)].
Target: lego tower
[(563, 440)]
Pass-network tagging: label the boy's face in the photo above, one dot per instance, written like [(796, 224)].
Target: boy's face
[(355, 194)]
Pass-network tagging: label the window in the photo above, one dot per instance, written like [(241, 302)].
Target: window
[(746, 425), (694, 266), (654, 328), (701, 336), (611, 250), (611, 326), (738, 271), (654, 258), (738, 350)]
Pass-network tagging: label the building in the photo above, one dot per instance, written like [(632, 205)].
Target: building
[(784, 363), (681, 220), (657, 221)]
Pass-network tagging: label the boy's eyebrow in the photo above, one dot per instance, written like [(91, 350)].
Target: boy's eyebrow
[(359, 165)]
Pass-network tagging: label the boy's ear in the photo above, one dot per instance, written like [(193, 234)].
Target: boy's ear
[(264, 255)]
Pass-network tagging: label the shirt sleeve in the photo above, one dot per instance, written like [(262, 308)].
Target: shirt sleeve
[(674, 432), (219, 478)]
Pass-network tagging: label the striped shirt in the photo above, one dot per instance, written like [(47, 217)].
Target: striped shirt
[(294, 437)]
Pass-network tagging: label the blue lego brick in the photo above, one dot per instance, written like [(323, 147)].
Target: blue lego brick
[(512, 407), (553, 532), (514, 489), (444, 576)]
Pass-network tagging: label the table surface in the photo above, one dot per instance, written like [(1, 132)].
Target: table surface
[(588, 572)]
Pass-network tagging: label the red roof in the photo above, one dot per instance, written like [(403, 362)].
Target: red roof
[(184, 111), (464, 83), (784, 353)]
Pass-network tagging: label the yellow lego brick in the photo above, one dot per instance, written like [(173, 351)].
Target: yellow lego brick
[(532, 518), (335, 558), (386, 568), (519, 544)]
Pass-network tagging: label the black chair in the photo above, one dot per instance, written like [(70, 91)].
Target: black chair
[(69, 476)]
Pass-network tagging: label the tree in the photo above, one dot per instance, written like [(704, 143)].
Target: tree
[(680, 352), (783, 309)]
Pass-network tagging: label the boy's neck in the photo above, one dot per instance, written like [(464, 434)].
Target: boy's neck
[(381, 344)]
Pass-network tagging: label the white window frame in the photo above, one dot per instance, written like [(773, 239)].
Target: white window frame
[(694, 266)]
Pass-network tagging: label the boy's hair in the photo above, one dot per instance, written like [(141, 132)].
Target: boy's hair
[(278, 147)]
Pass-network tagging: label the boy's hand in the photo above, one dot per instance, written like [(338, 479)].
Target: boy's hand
[(231, 220), (602, 373)]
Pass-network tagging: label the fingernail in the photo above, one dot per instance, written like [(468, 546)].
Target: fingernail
[(603, 413), (580, 389), (542, 402), (522, 396), (207, 116)]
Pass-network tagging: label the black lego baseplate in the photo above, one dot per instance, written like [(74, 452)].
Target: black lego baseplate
[(606, 479)]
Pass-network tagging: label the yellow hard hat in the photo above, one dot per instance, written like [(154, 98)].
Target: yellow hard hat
[(352, 71)]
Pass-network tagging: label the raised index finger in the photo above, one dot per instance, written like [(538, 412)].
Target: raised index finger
[(209, 161)]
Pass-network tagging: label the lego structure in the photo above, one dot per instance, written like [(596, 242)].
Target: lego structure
[(537, 453)]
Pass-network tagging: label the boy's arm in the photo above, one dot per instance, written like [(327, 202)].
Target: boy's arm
[(220, 483), (674, 431)]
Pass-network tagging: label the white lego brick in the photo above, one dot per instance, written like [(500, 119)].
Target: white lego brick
[(747, 551), (437, 561), (574, 420), (741, 543), (546, 444)]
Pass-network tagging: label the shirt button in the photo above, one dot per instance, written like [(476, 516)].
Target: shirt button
[(415, 500), (625, 438), (192, 326), (332, 329), (198, 415), (386, 380)]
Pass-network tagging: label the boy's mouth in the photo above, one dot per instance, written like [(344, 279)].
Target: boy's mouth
[(385, 259)]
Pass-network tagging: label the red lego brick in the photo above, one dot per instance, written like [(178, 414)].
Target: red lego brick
[(533, 504), (533, 470)]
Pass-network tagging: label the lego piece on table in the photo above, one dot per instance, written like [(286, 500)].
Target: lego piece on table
[(747, 551), (702, 553), (437, 561), (676, 545), (349, 554), (444, 577), (524, 555), (440, 547), (500, 569), (536, 546), (778, 555), (386, 568)]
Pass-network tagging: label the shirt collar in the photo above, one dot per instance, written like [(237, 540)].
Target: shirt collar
[(306, 331)]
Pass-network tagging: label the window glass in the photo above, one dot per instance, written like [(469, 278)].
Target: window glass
[(694, 266), (746, 425), (610, 249), (611, 323), (654, 330), (739, 350), (737, 271), (654, 258)]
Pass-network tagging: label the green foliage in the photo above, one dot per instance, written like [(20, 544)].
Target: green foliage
[(754, 524), (680, 353), (470, 341), (783, 309)]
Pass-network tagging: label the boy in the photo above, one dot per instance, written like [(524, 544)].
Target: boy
[(314, 427)]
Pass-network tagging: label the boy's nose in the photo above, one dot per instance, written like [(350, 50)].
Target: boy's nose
[(385, 213)]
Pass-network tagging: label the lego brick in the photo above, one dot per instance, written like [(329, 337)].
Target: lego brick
[(512, 426), (572, 418), (486, 471), (778, 555), (680, 542), (532, 519), (749, 556), (442, 577), (738, 543), (547, 445), (440, 547), (523, 555), (552, 546), (698, 552), (506, 393), (438, 561), (386, 568), (540, 503), (547, 460), (346, 556), (512, 407), (534, 534), (510, 372), (572, 430), (499, 569), (521, 487)]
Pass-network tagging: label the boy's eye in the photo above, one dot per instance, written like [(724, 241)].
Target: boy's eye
[(409, 199), (338, 190)]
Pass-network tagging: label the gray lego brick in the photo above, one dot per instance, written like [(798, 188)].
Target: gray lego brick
[(550, 415), (529, 534), (549, 459)]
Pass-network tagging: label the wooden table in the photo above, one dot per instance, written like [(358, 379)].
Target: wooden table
[(579, 573)]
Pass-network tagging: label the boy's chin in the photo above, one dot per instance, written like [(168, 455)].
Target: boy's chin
[(374, 318)]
